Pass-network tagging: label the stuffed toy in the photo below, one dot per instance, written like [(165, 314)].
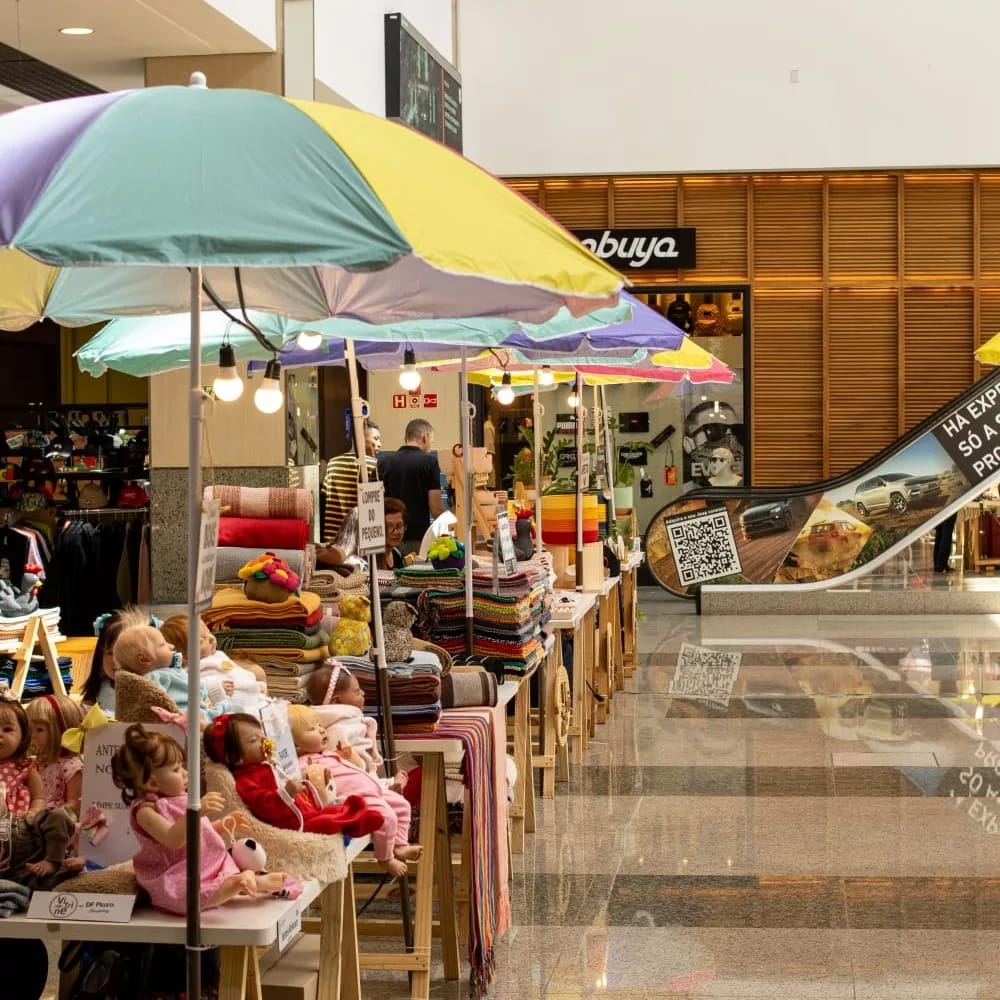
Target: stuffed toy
[(350, 636), (397, 619), (13, 602), (269, 579), (524, 546), (249, 855)]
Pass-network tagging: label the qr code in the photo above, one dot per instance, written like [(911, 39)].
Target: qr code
[(705, 673), (703, 546)]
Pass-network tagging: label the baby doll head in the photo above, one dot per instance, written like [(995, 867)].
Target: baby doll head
[(236, 738), (50, 716), (175, 631), (308, 731), (15, 730), (107, 628), (142, 649), (148, 763), (333, 684)]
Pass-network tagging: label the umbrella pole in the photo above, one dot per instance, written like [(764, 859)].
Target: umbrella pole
[(193, 815), (578, 383), (536, 419), (468, 487), (381, 671)]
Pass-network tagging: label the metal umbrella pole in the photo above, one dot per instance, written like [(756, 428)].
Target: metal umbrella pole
[(467, 412), (536, 418), (578, 389), (192, 824)]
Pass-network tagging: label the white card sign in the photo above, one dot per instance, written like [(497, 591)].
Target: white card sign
[(274, 719), (289, 927), (207, 549), (105, 835), (99, 907), (371, 518), (506, 542)]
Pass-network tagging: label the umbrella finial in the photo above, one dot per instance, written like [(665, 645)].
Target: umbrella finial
[(198, 80)]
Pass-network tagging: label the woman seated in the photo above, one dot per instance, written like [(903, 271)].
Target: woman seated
[(344, 549)]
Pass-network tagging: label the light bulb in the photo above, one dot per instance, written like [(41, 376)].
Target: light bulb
[(309, 340), (227, 386), (505, 394), (409, 377), (268, 398), (547, 376), (574, 400)]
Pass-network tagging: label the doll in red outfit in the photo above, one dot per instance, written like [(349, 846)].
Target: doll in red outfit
[(237, 740)]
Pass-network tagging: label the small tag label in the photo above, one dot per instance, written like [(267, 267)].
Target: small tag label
[(5, 829), (98, 907), (506, 542), (207, 550), (371, 518), (288, 928)]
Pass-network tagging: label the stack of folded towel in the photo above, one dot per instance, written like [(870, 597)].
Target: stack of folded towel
[(414, 690), (14, 898), (37, 681)]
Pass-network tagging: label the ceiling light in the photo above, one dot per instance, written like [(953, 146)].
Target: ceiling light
[(268, 398), (409, 377), (228, 386), (76, 31), (505, 394), (547, 376), (309, 340)]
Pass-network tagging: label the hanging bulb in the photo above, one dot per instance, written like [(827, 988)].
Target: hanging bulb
[(309, 340), (574, 397), (409, 377), (547, 376), (268, 398), (228, 386), (505, 394)]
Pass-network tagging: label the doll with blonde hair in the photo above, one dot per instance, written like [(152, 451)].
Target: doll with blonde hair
[(61, 770), (149, 769), (391, 839), (34, 851)]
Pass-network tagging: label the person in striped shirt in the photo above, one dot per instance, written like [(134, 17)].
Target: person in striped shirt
[(340, 485)]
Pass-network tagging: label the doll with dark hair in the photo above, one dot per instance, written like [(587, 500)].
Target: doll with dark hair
[(99, 687), (237, 740), (35, 850), (149, 769)]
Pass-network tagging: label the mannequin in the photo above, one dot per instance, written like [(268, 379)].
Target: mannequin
[(721, 469), (490, 437)]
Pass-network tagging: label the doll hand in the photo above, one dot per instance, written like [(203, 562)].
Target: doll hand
[(293, 787), (212, 802), (229, 687), (241, 819), (399, 780)]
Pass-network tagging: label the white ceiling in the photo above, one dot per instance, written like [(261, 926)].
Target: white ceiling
[(125, 31)]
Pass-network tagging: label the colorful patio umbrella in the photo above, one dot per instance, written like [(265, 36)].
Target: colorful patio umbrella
[(238, 198), (989, 353)]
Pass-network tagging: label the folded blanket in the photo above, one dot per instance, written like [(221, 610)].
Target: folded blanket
[(275, 666), (271, 638), (263, 501), (231, 605), (229, 561), (261, 654), (14, 897), (263, 533)]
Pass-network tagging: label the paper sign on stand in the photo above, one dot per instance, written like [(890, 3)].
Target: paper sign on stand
[(207, 550), (506, 541), (274, 719), (98, 907), (371, 518), (105, 835), (289, 927)]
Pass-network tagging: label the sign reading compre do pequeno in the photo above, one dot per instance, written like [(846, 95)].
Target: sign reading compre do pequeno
[(971, 434)]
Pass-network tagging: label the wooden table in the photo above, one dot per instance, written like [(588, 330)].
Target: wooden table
[(544, 760), (608, 646), (969, 526), (583, 627), (521, 811), (630, 613)]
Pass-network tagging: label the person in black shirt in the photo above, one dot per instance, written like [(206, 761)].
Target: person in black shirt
[(413, 475)]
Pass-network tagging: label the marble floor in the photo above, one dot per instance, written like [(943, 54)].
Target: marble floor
[(794, 807)]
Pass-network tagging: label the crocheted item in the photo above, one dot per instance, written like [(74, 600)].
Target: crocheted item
[(268, 578), (350, 636), (397, 619)]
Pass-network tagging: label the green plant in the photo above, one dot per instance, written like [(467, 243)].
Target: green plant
[(550, 446), (625, 471), (523, 468)]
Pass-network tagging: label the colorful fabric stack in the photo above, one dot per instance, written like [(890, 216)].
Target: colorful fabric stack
[(284, 638), (414, 690), (255, 520), (424, 575), (37, 681)]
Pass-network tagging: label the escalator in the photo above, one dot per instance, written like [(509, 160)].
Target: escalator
[(829, 533)]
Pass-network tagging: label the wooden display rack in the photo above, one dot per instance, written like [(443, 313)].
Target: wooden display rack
[(35, 635)]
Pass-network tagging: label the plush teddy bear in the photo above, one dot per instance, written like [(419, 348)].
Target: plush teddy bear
[(350, 635), (269, 579), (397, 619)]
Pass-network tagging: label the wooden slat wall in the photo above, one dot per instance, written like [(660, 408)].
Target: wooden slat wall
[(870, 291)]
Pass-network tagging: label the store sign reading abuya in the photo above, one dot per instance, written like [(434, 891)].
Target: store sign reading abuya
[(641, 249)]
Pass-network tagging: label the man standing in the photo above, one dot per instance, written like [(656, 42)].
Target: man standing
[(414, 476), (340, 485)]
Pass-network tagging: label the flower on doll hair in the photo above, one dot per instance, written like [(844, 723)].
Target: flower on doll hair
[(268, 566), (267, 749)]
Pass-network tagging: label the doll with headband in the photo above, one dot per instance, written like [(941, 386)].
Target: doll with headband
[(237, 740), (99, 687), (391, 839), (149, 769), (61, 770), (34, 838), (238, 688)]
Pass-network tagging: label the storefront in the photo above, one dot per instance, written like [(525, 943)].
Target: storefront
[(862, 296)]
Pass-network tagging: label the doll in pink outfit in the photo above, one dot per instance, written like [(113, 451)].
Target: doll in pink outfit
[(61, 770), (149, 769), (391, 839)]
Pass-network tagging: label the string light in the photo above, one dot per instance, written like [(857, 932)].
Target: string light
[(269, 397), (547, 376), (409, 377), (309, 340), (505, 394), (227, 385)]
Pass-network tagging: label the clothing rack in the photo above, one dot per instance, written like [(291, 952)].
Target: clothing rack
[(108, 513)]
